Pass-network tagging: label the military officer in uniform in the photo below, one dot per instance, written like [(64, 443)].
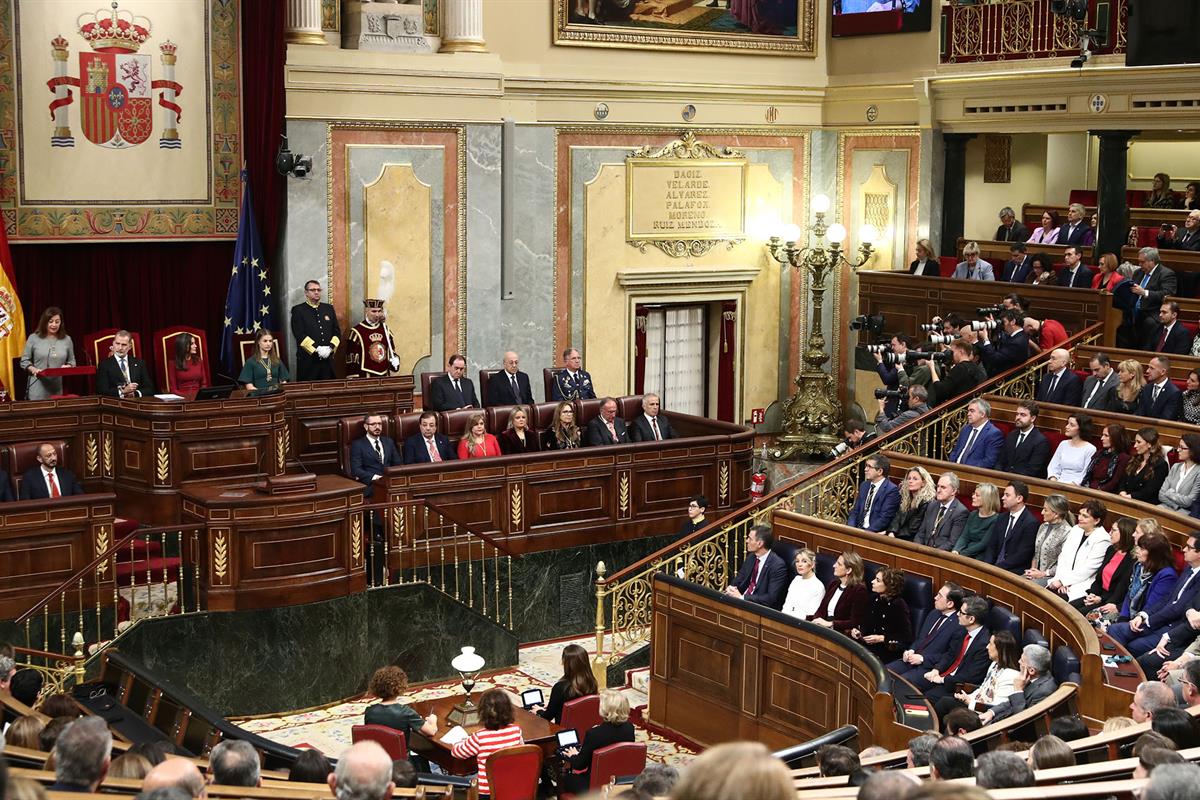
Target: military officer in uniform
[(371, 351), (572, 382), (317, 333)]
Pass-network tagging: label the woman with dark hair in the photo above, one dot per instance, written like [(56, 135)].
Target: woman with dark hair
[(1108, 464), (310, 767), (563, 433), (886, 627), (996, 685), (388, 683), (1147, 469), (1074, 454), (518, 437), (1177, 725), (477, 442), (1041, 271), (1047, 232), (1191, 395), (186, 371), (577, 681), (47, 347), (1152, 584), (1182, 485), (498, 732), (845, 600), (1161, 195), (916, 491), (1107, 277), (1049, 752), (1191, 196), (1107, 592), (1082, 552), (263, 370)]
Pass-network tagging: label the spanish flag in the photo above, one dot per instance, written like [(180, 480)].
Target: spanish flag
[(12, 319)]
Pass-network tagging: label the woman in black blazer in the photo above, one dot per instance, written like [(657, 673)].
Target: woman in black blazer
[(1146, 471), (563, 433), (886, 628), (518, 437), (1112, 579), (926, 262), (846, 613), (614, 729)]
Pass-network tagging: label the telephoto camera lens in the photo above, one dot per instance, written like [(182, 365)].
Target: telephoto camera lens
[(983, 325), (930, 327), (883, 394), (838, 449), (878, 348)]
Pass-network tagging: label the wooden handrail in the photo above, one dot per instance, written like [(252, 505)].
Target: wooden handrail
[(418, 501)]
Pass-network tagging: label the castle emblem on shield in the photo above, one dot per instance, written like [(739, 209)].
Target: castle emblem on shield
[(116, 91)]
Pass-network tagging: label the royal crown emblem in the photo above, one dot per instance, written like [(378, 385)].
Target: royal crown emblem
[(115, 85)]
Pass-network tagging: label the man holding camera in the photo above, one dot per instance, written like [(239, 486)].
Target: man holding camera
[(1010, 348), (896, 370), (918, 397), (966, 374), (854, 433), (1170, 237)]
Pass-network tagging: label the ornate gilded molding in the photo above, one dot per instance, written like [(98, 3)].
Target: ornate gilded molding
[(514, 507), (723, 483), (220, 556), (103, 539), (686, 147), (283, 440), (106, 450), (162, 463), (399, 524)]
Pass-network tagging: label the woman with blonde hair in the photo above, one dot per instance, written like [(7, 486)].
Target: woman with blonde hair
[(129, 765), (916, 491), (518, 437), (977, 531), (563, 433), (1049, 752), (805, 591), (733, 771), (477, 442), (23, 732), (1123, 398), (614, 728), (846, 597), (926, 262), (1057, 521), (1107, 277), (1161, 196)]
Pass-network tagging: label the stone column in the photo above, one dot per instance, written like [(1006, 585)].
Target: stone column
[(954, 190), (1110, 190), (304, 22), (462, 27)]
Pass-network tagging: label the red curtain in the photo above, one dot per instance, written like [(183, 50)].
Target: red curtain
[(639, 349), (725, 360), (144, 286)]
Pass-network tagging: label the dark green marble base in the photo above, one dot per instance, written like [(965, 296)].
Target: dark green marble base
[(636, 660), (279, 659)]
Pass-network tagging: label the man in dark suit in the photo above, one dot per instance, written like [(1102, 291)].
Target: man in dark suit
[(878, 498), (318, 333), (763, 578), (428, 445), (1096, 387), (6, 492), (1172, 238), (1169, 336), (1026, 449), (965, 661), (965, 374), (1010, 347), (939, 628), (944, 517), (1160, 399), (1013, 533), (1074, 273), (452, 391), (510, 386), (650, 425), (1143, 632), (1076, 230), (1060, 384), (979, 442), (122, 374), (607, 428), (572, 382), (1016, 269), (1152, 284), (1011, 229), (373, 453), (47, 479), (1032, 686)]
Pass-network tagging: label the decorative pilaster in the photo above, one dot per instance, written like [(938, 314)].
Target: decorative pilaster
[(462, 27), (304, 22), (1110, 190), (954, 190)]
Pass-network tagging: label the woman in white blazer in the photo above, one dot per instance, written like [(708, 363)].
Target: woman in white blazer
[(1082, 553), (1179, 490)]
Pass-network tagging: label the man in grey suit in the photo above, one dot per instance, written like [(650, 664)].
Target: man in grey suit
[(1034, 685), (944, 519), (1096, 387), (972, 267)]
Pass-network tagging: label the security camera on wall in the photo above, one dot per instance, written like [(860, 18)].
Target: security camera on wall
[(288, 164)]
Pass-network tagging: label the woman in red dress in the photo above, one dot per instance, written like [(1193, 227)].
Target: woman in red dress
[(187, 369), (477, 443)]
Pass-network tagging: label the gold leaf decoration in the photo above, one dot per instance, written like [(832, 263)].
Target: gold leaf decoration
[(102, 542), (687, 147), (623, 494), (220, 556), (92, 448), (107, 454), (282, 442), (356, 540), (162, 463), (723, 483), (515, 507)]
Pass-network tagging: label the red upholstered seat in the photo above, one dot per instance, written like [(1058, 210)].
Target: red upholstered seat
[(391, 740), (616, 761), (946, 266), (544, 415), (243, 344), (454, 423), (1004, 426), (164, 354), (426, 378), (20, 456), (484, 376), (513, 772), (1085, 196), (582, 714), (629, 407), (1190, 326), (1054, 438), (548, 382), (97, 346)]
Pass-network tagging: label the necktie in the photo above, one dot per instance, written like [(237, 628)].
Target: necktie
[(870, 500), (54, 492), (1162, 339), (612, 431), (654, 427), (753, 577), (379, 450), (937, 523), (1053, 386), (970, 444), (434, 455), (962, 652), (1145, 280), (516, 392), (1154, 393), (932, 632), (1020, 440), (125, 370), (1004, 543), (1095, 388), (458, 389)]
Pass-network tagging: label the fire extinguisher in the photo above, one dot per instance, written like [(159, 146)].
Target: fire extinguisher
[(758, 480)]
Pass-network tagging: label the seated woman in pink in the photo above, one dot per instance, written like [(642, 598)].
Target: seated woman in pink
[(477, 442), (498, 732)]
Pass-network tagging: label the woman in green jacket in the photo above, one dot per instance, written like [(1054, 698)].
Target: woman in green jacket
[(977, 532)]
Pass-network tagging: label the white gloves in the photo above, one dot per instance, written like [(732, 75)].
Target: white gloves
[(395, 362), (324, 351)]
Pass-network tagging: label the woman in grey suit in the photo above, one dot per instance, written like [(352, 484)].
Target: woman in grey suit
[(47, 347), (1179, 490)]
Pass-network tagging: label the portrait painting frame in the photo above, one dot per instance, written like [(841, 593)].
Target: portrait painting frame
[(628, 35)]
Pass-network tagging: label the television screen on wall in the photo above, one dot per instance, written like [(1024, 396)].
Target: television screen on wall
[(862, 17)]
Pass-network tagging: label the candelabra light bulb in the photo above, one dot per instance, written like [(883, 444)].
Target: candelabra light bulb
[(836, 233), (820, 204)]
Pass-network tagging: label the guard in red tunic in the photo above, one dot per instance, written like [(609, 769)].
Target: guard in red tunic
[(371, 351)]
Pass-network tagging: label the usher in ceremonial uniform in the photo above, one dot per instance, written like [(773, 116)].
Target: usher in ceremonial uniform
[(371, 350), (312, 327)]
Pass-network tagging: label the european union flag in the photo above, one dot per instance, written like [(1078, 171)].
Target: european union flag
[(248, 303)]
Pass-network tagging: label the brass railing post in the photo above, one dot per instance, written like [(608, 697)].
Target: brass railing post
[(599, 667)]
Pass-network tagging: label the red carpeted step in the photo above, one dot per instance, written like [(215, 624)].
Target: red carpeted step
[(137, 550), (131, 572)]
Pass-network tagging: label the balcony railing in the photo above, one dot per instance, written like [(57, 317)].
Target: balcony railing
[(1006, 30)]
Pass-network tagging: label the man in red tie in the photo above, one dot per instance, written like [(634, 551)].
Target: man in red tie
[(966, 661), (1169, 336), (47, 479), (650, 425), (428, 446), (763, 578)]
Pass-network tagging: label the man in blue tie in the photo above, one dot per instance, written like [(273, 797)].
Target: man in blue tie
[(1153, 283), (980, 442)]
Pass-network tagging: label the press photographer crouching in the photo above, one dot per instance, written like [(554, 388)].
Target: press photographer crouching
[(854, 433), (918, 397)]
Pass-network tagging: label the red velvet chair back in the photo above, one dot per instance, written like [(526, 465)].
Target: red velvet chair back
[(21, 456), (630, 408), (407, 425), (498, 416), (164, 354), (544, 415), (616, 761), (243, 343), (426, 379), (582, 714), (454, 423), (513, 772), (96, 345), (588, 410), (390, 739)]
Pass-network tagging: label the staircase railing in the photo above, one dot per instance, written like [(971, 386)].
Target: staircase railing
[(122, 586), (708, 556), (424, 544)]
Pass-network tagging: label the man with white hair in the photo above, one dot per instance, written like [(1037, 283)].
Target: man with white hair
[(81, 756), (1060, 384), (1172, 782), (1173, 238), (1150, 698), (1033, 685), (178, 773), (364, 772), (1076, 230)]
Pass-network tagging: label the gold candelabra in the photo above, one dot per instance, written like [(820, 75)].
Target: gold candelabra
[(811, 413)]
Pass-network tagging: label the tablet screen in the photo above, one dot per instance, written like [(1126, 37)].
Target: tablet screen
[(567, 738), (532, 697)]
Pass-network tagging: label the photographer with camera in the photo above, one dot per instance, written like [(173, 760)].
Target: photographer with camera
[(854, 433), (891, 371), (917, 405), (1170, 237), (966, 374), (1010, 348)]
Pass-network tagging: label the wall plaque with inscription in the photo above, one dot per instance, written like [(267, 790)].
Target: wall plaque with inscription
[(685, 198)]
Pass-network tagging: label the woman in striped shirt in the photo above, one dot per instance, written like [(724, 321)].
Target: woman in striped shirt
[(498, 732)]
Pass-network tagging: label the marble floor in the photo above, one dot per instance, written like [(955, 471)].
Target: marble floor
[(328, 728)]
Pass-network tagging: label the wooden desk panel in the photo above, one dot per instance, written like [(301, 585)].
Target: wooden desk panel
[(534, 730), (314, 408)]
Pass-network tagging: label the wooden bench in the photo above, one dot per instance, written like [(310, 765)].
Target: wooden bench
[(1180, 365)]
